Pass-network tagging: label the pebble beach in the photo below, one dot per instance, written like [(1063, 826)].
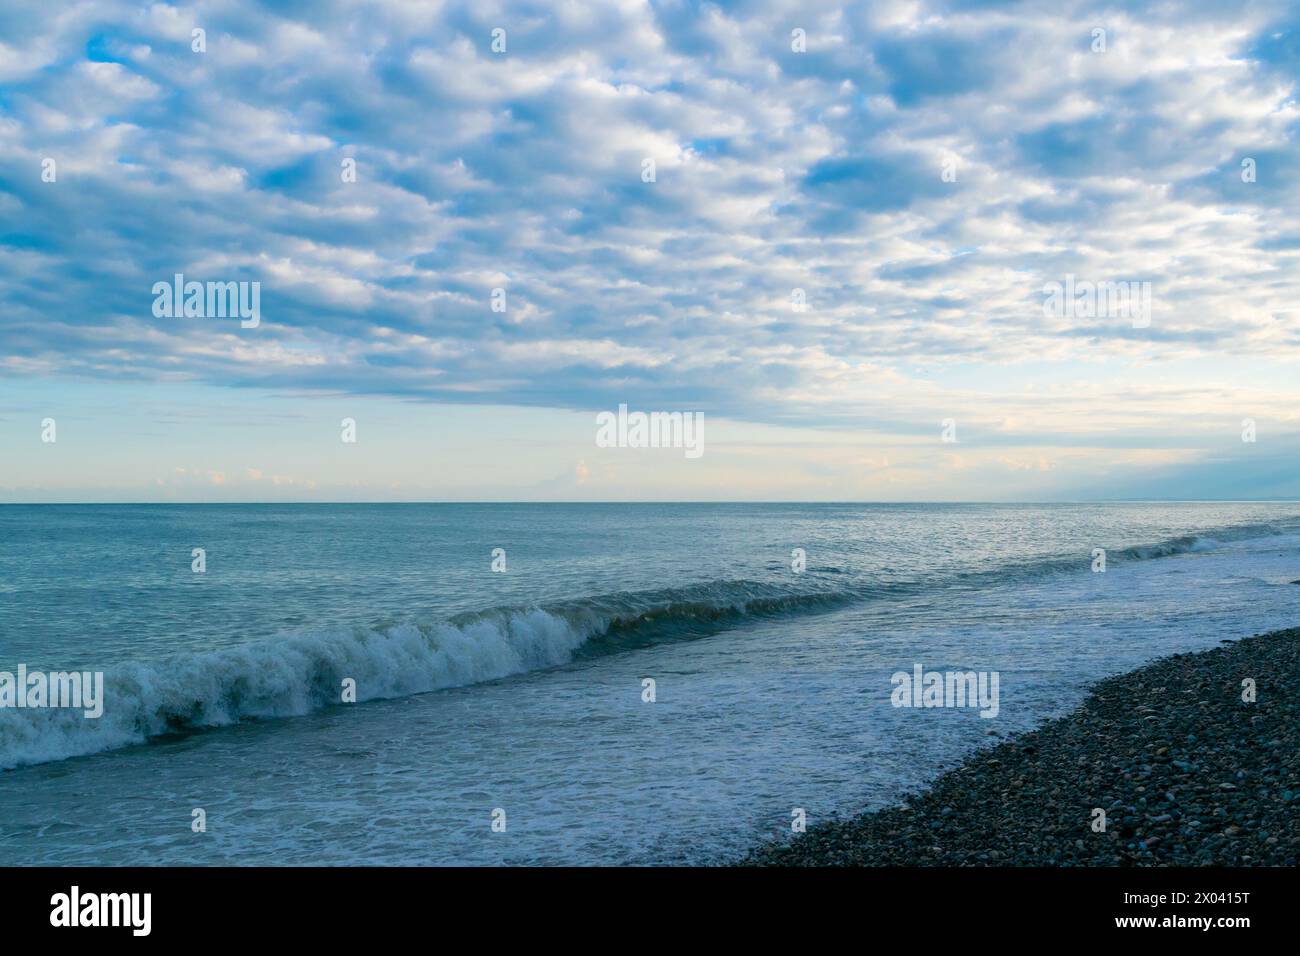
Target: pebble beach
[(1188, 770)]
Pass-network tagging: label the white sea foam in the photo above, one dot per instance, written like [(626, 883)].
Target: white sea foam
[(291, 676)]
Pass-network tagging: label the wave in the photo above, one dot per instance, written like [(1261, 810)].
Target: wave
[(1210, 540), (301, 673)]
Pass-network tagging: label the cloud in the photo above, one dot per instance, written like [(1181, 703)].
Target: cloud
[(523, 171)]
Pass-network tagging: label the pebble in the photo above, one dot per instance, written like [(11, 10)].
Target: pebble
[(1027, 801)]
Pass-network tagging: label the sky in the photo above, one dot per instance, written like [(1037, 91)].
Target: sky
[(834, 230)]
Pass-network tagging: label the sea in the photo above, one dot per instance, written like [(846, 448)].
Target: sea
[(581, 684)]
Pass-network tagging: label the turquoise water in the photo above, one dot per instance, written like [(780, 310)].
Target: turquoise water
[(522, 690)]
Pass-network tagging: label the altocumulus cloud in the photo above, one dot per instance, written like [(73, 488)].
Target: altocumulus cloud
[(775, 170)]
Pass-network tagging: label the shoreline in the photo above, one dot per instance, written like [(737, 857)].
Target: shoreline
[(1187, 772)]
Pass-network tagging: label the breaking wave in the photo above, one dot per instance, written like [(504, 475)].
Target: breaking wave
[(299, 673)]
